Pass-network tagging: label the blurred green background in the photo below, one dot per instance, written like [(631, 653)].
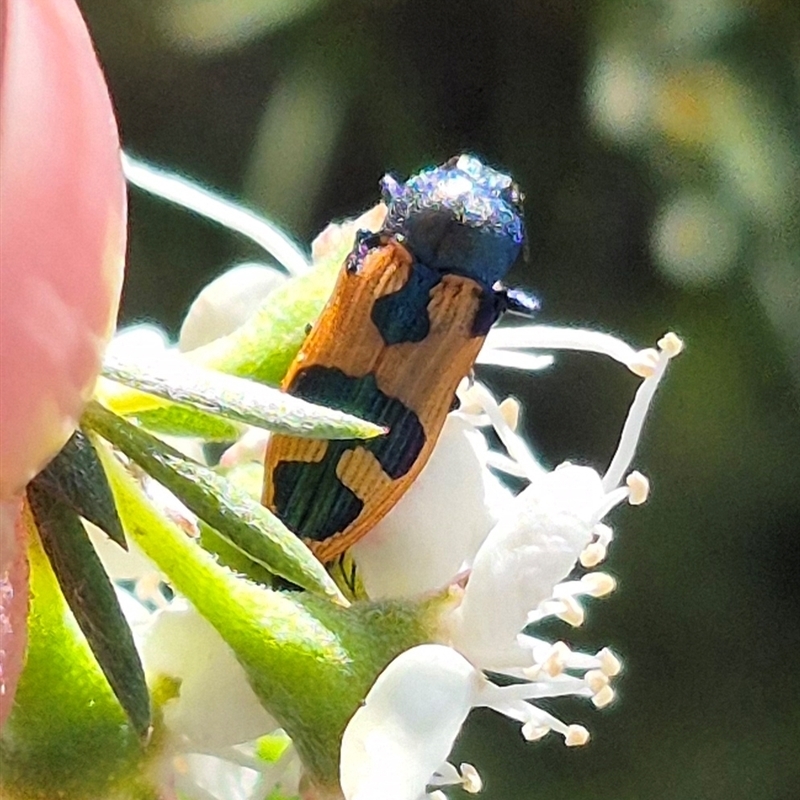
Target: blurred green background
[(658, 144)]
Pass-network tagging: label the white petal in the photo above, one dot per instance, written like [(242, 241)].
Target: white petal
[(216, 706), (225, 303), (439, 524), (533, 547), (121, 565), (138, 342), (218, 778), (404, 731)]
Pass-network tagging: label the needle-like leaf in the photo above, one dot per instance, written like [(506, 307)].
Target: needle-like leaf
[(91, 597)]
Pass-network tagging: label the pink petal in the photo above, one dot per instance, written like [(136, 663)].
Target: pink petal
[(62, 230), (13, 602)]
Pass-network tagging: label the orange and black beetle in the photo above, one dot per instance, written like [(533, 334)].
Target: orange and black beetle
[(409, 313)]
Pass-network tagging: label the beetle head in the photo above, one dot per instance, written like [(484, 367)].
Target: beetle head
[(461, 217)]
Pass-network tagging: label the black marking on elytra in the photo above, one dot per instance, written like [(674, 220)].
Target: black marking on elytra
[(303, 507), (402, 316), (309, 497)]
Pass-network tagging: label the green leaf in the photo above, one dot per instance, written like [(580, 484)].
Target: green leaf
[(91, 597), (232, 557), (264, 346), (239, 519), (179, 381), (175, 420), (76, 477)]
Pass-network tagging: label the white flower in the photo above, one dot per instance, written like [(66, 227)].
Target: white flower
[(214, 722), (225, 303), (398, 741), (215, 706), (453, 494), (217, 742), (518, 576)]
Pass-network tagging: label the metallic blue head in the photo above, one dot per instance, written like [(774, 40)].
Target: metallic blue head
[(462, 217)]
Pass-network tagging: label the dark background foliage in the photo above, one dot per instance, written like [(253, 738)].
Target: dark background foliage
[(659, 148)]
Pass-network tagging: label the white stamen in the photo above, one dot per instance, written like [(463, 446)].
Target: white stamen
[(491, 356), (592, 555), (609, 663), (671, 344), (603, 697), (634, 423), (471, 781), (645, 363), (610, 501), (596, 680), (510, 409), (546, 337), (177, 189), (598, 584), (515, 445), (576, 736), (532, 732), (571, 612), (466, 776), (504, 464)]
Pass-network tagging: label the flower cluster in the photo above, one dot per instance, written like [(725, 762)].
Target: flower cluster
[(492, 564), (452, 583), (519, 573)]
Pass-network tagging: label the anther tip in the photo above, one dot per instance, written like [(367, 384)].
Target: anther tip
[(571, 612), (510, 409), (671, 344), (639, 488), (609, 663), (596, 680), (644, 363), (598, 584), (471, 781), (576, 736), (603, 698), (532, 732)]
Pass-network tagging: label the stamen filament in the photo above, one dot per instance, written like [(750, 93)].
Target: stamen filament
[(547, 337), (183, 192), (632, 430)]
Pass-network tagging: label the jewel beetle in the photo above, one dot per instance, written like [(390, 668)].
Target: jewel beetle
[(407, 317)]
